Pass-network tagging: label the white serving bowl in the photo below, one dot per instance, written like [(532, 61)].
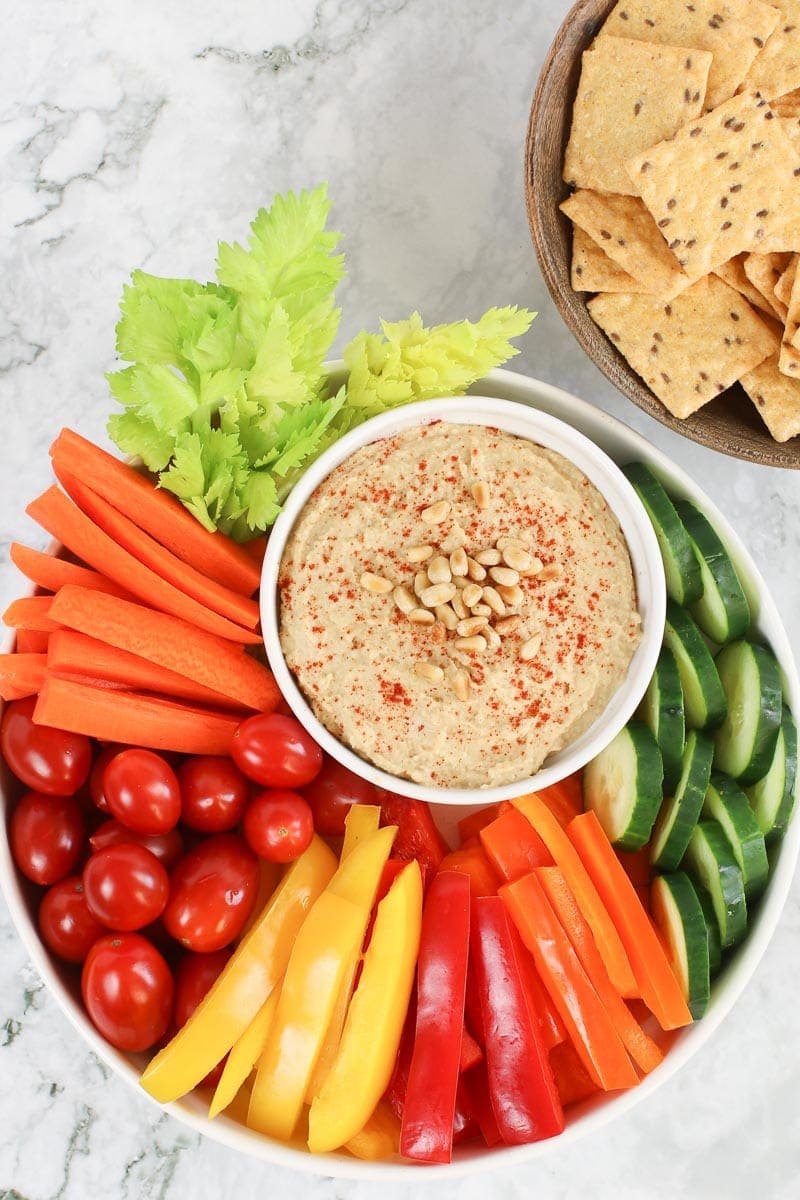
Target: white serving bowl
[(546, 430), (622, 445)]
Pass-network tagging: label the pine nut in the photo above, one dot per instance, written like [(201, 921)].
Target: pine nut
[(507, 542), (421, 582), (471, 625), (447, 616), (429, 671), (475, 571), (507, 625), (376, 584), (459, 607), (438, 593), (439, 569), (458, 562), (495, 601), (418, 554), (460, 685), (530, 649), (480, 493), (504, 575), (493, 639), (517, 558), (472, 594), (488, 558), (551, 571), (534, 568), (471, 645), (438, 634), (434, 514), (481, 610), (512, 596), (421, 616), (404, 600)]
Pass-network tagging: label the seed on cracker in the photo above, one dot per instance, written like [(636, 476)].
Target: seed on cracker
[(776, 397)]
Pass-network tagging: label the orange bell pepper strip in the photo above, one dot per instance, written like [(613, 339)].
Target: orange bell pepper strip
[(513, 846), (656, 982), (380, 1137), (565, 798), (572, 1078), (471, 825), (471, 861), (567, 859), (363, 1066), (244, 1054), (581, 1009), (255, 968), (642, 1049)]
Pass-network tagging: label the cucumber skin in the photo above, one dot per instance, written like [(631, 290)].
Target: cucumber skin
[(733, 922), (678, 555), (671, 732), (688, 636), (695, 935), (773, 821), (649, 781), (752, 855), (712, 927), (709, 547), (769, 718), (691, 803)]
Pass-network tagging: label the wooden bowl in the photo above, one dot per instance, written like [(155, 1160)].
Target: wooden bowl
[(730, 423)]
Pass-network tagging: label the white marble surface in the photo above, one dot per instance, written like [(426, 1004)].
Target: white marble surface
[(136, 135)]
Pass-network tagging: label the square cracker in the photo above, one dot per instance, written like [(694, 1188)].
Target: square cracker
[(733, 30), (776, 70), (623, 228), (691, 349), (593, 270), (725, 183), (783, 288), (788, 105), (776, 397), (764, 271), (631, 94), (733, 273)]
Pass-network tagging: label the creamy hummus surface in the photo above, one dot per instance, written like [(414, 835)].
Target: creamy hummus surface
[(456, 604)]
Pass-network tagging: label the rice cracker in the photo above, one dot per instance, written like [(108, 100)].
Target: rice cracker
[(690, 349), (593, 270), (631, 94), (776, 70), (726, 183), (776, 397)]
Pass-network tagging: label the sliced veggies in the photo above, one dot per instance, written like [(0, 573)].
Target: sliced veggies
[(772, 796), (681, 568), (622, 785), (727, 804), (711, 862), (662, 710), (703, 695), (745, 741), (679, 917), (722, 611), (680, 811)]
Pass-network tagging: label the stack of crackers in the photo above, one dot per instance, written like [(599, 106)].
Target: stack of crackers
[(684, 154)]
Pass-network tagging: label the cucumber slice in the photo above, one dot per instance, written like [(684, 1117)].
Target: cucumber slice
[(703, 698), (745, 741), (710, 861), (727, 804), (772, 798), (681, 568), (662, 711), (722, 612), (678, 915), (712, 928), (623, 786), (680, 812)]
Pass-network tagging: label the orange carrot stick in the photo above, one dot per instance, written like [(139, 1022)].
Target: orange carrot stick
[(49, 572), (30, 612), (657, 984), (642, 1049), (217, 597), (256, 548), (169, 642), (157, 512), (31, 641), (73, 655), (133, 720), (65, 521), (567, 860), (21, 675)]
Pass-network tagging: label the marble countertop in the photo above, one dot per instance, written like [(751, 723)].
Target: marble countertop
[(137, 135)]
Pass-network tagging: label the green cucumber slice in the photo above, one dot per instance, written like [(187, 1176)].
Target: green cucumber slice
[(661, 710), (745, 741), (722, 612), (709, 859), (703, 697), (678, 915), (680, 812), (712, 928), (681, 568), (772, 797), (727, 804), (623, 786)]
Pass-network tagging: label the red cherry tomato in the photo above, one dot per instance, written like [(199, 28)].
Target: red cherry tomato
[(276, 751), (48, 760), (278, 825), (66, 926), (127, 989), (194, 976), (167, 847), (47, 835), (126, 886), (212, 892), (96, 790), (214, 793), (142, 791), (333, 793)]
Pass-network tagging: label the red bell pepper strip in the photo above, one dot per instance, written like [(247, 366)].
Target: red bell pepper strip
[(471, 1052), (395, 1094), (513, 846), (476, 1083), (521, 1086), (417, 835), (427, 1124), (472, 862), (465, 1122)]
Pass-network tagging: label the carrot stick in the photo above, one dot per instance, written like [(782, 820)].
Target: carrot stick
[(642, 1049), (73, 655), (564, 799), (31, 641), (65, 521), (21, 675), (256, 549), (133, 720), (169, 642), (657, 984), (217, 597), (49, 572), (30, 612), (157, 512), (594, 910)]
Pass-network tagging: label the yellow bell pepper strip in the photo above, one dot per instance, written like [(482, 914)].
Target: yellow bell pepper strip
[(244, 1054), (269, 876), (254, 969), (367, 1051), (380, 1137), (323, 948), (361, 821)]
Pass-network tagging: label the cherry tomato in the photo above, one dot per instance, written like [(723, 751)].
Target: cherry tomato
[(96, 778), (332, 794), (127, 989), (214, 793), (47, 835), (276, 751), (212, 892), (194, 976), (48, 760), (167, 847), (278, 825), (66, 926), (126, 886), (142, 791)]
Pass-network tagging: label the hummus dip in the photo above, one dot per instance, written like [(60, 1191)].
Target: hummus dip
[(469, 676)]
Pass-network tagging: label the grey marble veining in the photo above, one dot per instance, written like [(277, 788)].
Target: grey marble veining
[(137, 135)]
